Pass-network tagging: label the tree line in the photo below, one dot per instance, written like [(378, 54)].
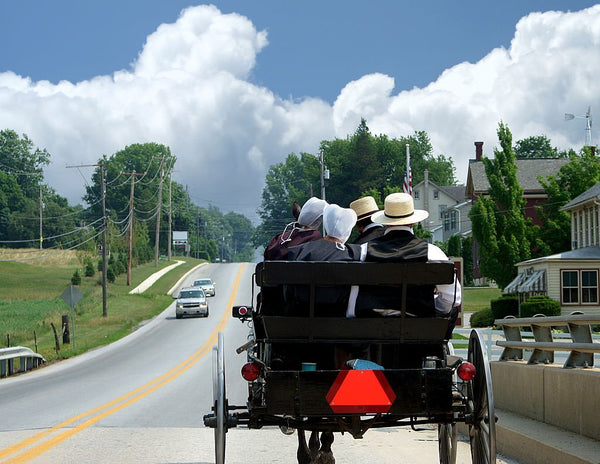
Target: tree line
[(360, 164), (33, 215)]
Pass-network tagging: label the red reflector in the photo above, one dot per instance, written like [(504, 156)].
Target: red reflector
[(250, 371), (243, 311), (362, 391), (466, 371)]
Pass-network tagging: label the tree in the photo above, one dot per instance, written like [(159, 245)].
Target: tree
[(498, 220), (578, 175), (22, 189), (286, 182), (537, 146), (23, 161)]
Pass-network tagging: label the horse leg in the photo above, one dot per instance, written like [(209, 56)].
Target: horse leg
[(314, 445), (325, 453), (303, 453)]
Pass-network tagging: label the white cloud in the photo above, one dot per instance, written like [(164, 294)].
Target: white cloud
[(189, 88)]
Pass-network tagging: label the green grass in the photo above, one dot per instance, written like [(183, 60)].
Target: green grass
[(477, 298), (30, 303)]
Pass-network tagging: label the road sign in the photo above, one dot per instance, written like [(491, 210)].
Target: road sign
[(71, 295)]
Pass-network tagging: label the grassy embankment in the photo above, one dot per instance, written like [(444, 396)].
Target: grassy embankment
[(30, 300)]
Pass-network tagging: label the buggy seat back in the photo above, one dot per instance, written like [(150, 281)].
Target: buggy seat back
[(272, 276)]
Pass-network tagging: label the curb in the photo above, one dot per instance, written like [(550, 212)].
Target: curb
[(534, 442)]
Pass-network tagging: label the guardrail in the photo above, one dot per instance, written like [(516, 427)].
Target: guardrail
[(581, 347), (27, 360)]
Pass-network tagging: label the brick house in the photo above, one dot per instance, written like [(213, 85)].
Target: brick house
[(528, 171)]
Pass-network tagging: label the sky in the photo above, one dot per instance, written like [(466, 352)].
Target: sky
[(234, 86)]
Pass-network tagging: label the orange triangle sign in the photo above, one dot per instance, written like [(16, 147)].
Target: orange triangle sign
[(360, 391)]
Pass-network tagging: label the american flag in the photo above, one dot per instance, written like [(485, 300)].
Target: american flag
[(407, 185)]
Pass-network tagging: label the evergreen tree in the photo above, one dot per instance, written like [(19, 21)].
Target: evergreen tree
[(499, 223)]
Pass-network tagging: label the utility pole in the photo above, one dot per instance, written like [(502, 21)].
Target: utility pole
[(170, 218), (104, 225), (130, 247), (41, 210), (104, 231), (158, 213)]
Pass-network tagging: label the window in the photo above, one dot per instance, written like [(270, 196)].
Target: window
[(416, 192), (570, 287), (436, 194), (442, 208), (589, 287), (580, 285), (453, 219)]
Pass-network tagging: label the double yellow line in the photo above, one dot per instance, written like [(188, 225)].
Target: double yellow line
[(117, 404)]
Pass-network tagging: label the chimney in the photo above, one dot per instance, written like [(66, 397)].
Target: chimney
[(478, 151)]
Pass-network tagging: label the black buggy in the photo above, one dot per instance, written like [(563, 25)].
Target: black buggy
[(411, 377)]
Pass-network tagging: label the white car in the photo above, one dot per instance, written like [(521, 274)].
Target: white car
[(207, 285), (191, 302)]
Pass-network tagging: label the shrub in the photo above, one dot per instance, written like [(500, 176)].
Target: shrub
[(505, 306), (76, 278), (482, 318), (540, 304), (110, 275), (89, 268)]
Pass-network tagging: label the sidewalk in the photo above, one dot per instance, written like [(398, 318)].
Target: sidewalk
[(146, 284)]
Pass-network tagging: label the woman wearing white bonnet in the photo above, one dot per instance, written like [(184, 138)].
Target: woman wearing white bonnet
[(303, 230), (338, 223), (311, 213)]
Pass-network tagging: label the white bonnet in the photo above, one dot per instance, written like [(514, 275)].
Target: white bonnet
[(312, 212), (338, 222)]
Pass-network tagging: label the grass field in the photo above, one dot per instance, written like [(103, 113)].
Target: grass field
[(477, 298), (30, 302)]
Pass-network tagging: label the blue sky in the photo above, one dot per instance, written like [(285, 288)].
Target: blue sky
[(297, 73)]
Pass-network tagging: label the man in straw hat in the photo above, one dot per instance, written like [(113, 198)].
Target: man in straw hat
[(398, 243), (364, 208)]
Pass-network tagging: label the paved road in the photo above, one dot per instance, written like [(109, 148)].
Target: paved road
[(141, 400)]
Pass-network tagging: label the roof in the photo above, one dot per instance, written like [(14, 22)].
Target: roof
[(592, 193), (579, 254), (526, 282), (528, 171), (456, 192)]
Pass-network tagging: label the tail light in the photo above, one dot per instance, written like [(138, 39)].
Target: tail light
[(466, 371), (250, 371)]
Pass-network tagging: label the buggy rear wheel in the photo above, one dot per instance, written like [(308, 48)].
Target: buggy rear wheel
[(219, 399), (480, 397), (447, 432)]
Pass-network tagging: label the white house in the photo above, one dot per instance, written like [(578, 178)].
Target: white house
[(437, 199), (570, 277)]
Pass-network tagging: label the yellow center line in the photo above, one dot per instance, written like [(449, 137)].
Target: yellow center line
[(131, 397)]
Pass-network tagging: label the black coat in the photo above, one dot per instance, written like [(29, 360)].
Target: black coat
[(370, 234)]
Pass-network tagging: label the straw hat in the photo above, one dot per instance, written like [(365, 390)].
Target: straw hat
[(399, 209), (364, 207)]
